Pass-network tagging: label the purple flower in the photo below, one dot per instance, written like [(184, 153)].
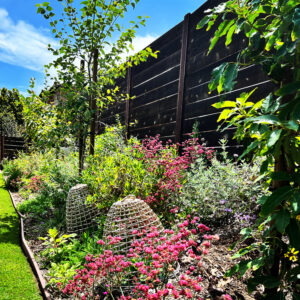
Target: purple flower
[(246, 217), (228, 209), (223, 202)]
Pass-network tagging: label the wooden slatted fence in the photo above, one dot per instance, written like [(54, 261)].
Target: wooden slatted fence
[(10, 146), (171, 92)]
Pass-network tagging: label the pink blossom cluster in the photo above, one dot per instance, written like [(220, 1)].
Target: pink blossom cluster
[(149, 268), (15, 183), (164, 163), (35, 184)]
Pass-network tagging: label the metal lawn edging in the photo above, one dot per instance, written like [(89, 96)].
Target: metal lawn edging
[(29, 255)]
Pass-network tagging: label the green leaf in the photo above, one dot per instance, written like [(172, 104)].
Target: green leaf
[(274, 137), (296, 21), (266, 119), (295, 201), (203, 22), (224, 27), (292, 125), (293, 232), (282, 220), (229, 76), (224, 114), (246, 232), (257, 263), (240, 268), (262, 200), (216, 75), (213, 42), (271, 282), (223, 104), (287, 89), (274, 200), (244, 266), (296, 111), (270, 105), (229, 34), (252, 146)]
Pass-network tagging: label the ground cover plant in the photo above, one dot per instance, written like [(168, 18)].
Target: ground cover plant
[(16, 278), (146, 269)]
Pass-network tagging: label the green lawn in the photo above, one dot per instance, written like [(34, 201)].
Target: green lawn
[(16, 278)]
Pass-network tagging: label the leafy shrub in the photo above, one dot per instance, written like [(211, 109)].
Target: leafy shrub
[(13, 181), (224, 190), (115, 171)]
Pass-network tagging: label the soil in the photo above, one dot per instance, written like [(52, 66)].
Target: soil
[(214, 266)]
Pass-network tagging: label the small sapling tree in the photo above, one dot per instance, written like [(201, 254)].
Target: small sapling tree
[(88, 58)]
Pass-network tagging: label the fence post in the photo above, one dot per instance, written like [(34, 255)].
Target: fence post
[(181, 90), (127, 112)]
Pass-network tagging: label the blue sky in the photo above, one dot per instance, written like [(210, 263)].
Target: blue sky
[(24, 35)]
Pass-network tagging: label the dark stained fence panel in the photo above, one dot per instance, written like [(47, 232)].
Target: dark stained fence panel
[(11, 146), (155, 85)]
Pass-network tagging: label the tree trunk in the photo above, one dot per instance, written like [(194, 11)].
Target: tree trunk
[(93, 104)]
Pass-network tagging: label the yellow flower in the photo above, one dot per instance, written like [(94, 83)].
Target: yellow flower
[(298, 218), (291, 255)]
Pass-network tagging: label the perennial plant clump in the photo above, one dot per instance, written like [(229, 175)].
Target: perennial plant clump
[(148, 270), (223, 191)]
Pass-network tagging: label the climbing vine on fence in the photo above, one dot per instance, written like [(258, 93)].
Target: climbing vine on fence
[(272, 123)]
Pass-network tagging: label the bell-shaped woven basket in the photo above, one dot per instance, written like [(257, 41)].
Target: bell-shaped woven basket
[(80, 216), (127, 216)]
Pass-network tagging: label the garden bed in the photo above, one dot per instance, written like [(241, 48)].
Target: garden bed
[(194, 185), (214, 264)]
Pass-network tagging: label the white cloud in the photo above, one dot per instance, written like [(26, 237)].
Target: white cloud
[(139, 43), (21, 44)]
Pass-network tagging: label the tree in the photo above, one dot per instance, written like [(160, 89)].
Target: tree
[(273, 31), (90, 35), (10, 110)]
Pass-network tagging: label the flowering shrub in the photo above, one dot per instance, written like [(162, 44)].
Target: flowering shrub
[(149, 270), (167, 168), (223, 190)]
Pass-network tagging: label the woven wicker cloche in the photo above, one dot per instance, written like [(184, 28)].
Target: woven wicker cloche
[(80, 216), (127, 216)]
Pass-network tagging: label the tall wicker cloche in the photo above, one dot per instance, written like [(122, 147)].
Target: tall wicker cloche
[(126, 216), (80, 216)]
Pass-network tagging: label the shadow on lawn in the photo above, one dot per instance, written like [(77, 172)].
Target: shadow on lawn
[(9, 229)]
